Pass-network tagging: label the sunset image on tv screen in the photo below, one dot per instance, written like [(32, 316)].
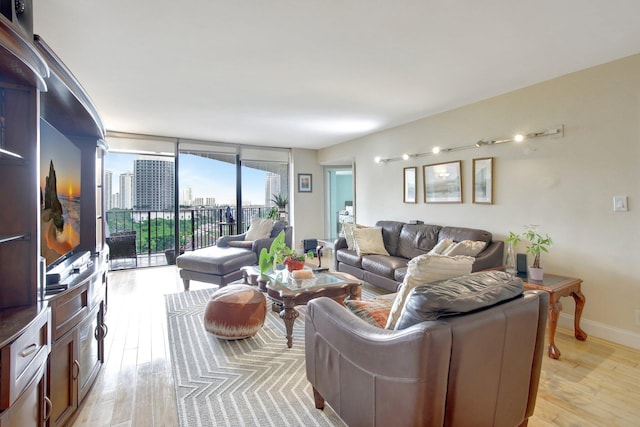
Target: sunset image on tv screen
[(60, 194)]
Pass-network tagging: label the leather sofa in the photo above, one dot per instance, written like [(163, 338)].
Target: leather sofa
[(404, 241), (480, 368)]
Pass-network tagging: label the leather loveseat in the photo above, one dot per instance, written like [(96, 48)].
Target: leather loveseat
[(475, 363), (405, 241)]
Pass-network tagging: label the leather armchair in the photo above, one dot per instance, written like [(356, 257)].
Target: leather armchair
[(476, 369), (257, 245)]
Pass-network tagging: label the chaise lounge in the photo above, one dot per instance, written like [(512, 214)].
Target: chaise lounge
[(221, 264)]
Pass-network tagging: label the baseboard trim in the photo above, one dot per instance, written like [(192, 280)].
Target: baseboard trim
[(602, 331)]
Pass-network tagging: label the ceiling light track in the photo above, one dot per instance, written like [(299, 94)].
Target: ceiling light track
[(517, 138)]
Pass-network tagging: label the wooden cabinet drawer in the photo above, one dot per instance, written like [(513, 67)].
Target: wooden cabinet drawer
[(68, 309), (22, 359), (29, 408)]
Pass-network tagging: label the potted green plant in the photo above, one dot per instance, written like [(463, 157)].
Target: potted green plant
[(280, 253), (537, 244), (281, 201), (269, 257), (272, 213)]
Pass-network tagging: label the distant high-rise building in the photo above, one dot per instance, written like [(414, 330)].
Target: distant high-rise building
[(126, 190), (115, 200), (204, 201), (186, 198), (154, 183), (108, 191), (271, 187)]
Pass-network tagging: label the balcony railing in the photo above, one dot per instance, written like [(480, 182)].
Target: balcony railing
[(199, 227)]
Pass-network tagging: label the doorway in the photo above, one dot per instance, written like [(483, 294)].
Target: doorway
[(341, 199)]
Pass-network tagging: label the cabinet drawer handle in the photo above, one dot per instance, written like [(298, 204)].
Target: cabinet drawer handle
[(105, 330), (96, 333), (76, 372), (47, 408), (28, 350)]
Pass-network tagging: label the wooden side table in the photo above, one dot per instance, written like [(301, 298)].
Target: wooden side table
[(558, 287)]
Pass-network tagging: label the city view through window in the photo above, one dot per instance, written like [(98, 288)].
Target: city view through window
[(140, 192)]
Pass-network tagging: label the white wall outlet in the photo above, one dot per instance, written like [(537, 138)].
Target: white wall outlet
[(619, 203), (638, 316)]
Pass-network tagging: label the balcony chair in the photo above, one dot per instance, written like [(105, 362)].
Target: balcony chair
[(122, 245)]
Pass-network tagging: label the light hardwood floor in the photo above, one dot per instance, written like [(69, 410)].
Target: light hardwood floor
[(595, 383)]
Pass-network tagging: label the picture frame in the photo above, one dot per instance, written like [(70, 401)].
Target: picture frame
[(304, 182), (409, 184), (483, 180), (443, 182)]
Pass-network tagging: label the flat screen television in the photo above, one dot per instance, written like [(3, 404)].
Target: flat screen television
[(60, 163)]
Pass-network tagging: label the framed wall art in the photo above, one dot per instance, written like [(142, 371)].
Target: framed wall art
[(304, 182), (442, 182), (483, 180), (409, 185)]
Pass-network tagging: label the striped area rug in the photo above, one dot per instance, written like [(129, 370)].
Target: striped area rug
[(252, 382)]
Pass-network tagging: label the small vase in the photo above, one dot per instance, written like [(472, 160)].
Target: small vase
[(510, 260), (536, 274)]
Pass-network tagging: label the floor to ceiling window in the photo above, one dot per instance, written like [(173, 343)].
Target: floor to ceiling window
[(212, 189), (265, 180), (207, 192)]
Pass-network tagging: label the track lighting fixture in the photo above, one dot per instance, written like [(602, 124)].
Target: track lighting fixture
[(520, 137)]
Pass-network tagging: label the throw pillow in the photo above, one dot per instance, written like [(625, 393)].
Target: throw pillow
[(374, 311), (466, 247), (260, 229), (278, 226), (459, 295), (426, 269), (441, 247), (347, 230), (369, 241)]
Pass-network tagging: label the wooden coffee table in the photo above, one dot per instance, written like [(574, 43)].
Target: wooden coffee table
[(558, 287), (286, 293)]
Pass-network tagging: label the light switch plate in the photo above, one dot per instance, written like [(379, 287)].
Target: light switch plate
[(619, 203)]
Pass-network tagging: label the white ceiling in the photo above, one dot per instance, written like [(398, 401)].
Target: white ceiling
[(313, 73)]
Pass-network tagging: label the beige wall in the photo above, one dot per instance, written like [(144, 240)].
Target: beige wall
[(307, 216), (566, 185)]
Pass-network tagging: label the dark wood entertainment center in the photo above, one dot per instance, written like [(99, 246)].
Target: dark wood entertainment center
[(51, 343)]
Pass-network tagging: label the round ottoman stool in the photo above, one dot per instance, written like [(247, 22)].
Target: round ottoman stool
[(235, 312)]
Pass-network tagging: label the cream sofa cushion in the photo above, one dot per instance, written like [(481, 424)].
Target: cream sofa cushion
[(425, 269), (368, 241), (260, 229), (466, 247), (347, 230), (441, 247)]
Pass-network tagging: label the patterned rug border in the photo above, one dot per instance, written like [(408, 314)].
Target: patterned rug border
[(257, 381)]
